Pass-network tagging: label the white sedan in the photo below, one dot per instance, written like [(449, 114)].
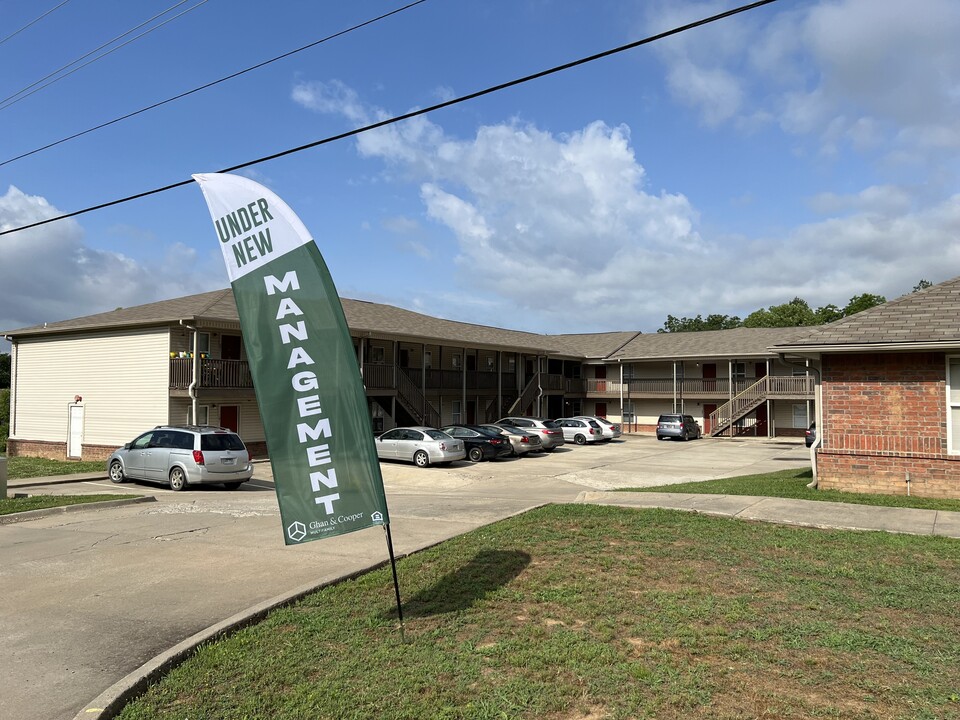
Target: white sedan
[(423, 446)]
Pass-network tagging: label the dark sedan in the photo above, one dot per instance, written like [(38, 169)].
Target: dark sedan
[(481, 444)]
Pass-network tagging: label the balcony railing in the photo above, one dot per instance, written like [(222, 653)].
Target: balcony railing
[(785, 386), (214, 373)]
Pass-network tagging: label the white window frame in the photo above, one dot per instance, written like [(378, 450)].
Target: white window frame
[(455, 412), (456, 360), (203, 414), (953, 448), (491, 363), (799, 420), (377, 355)]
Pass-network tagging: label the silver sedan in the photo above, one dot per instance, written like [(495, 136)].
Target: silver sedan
[(423, 446), (521, 441)]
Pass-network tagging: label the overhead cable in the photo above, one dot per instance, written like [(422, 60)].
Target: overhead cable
[(33, 22), (8, 101), (210, 84), (407, 116)]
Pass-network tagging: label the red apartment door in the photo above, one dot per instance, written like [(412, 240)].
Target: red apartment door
[(761, 426), (230, 417), (601, 409), (707, 409), (601, 378), (710, 377)]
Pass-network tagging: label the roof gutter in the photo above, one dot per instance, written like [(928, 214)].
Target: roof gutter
[(867, 347), (818, 414)]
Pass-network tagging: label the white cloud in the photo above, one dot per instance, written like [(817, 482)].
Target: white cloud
[(840, 71), (49, 274), (563, 229)]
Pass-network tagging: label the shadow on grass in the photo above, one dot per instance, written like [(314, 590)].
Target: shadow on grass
[(486, 572)]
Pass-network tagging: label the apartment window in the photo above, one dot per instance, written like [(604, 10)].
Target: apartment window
[(739, 370), (427, 359), (953, 405), (203, 344), (628, 371), (491, 362), (455, 412), (203, 415), (456, 360), (377, 355), (800, 416), (512, 363), (628, 412)]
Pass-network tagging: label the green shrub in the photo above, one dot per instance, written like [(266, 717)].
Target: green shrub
[(4, 419)]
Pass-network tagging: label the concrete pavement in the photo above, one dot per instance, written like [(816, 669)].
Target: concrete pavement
[(103, 601)]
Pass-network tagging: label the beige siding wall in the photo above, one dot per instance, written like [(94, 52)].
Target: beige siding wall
[(122, 378)]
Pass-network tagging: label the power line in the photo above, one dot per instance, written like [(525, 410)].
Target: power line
[(210, 84), (8, 101), (415, 113), (33, 22)]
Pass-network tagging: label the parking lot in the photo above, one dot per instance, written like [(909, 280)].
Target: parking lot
[(91, 595)]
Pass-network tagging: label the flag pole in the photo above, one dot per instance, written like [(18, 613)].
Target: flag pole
[(396, 582)]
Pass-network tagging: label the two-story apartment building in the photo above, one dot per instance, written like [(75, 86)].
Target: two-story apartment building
[(82, 387)]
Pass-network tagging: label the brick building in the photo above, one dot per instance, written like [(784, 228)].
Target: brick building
[(890, 396)]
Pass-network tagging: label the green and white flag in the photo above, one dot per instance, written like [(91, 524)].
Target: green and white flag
[(305, 372)]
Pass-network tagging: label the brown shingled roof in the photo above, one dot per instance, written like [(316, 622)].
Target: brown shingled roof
[(734, 343), (930, 316)]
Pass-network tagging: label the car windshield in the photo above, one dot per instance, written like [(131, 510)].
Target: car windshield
[(437, 435), (220, 441)]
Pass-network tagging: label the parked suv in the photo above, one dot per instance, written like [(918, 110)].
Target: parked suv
[(677, 426), (181, 455), (551, 436)]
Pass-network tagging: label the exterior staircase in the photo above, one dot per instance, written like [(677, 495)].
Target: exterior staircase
[(769, 387), (415, 403), (530, 393)]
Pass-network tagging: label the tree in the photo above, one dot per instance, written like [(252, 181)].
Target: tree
[(922, 285), (795, 313), (827, 314), (859, 303), (4, 370), (713, 322)]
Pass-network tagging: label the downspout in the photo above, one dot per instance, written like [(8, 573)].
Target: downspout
[(13, 384), (192, 389), (818, 412), (620, 362)]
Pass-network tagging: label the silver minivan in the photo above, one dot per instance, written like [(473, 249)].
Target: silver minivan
[(181, 455)]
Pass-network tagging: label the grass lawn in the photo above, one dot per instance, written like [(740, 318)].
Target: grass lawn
[(603, 613), (793, 484), (29, 467), (38, 502)]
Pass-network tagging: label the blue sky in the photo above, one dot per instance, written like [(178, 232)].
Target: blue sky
[(803, 148)]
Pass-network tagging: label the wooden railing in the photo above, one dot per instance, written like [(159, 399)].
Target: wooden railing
[(415, 402), (214, 373), (766, 388), (800, 387)]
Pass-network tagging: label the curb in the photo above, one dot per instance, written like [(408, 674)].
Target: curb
[(111, 702), (28, 515)]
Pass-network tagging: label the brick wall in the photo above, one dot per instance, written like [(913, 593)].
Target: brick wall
[(884, 416), (55, 450)]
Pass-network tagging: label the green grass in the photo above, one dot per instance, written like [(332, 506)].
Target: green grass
[(793, 484), (9, 506), (30, 467), (605, 613)]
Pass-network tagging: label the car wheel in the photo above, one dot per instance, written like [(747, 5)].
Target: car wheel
[(178, 480), (475, 454), (116, 471), (232, 485), (685, 437), (579, 439), (421, 459)]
